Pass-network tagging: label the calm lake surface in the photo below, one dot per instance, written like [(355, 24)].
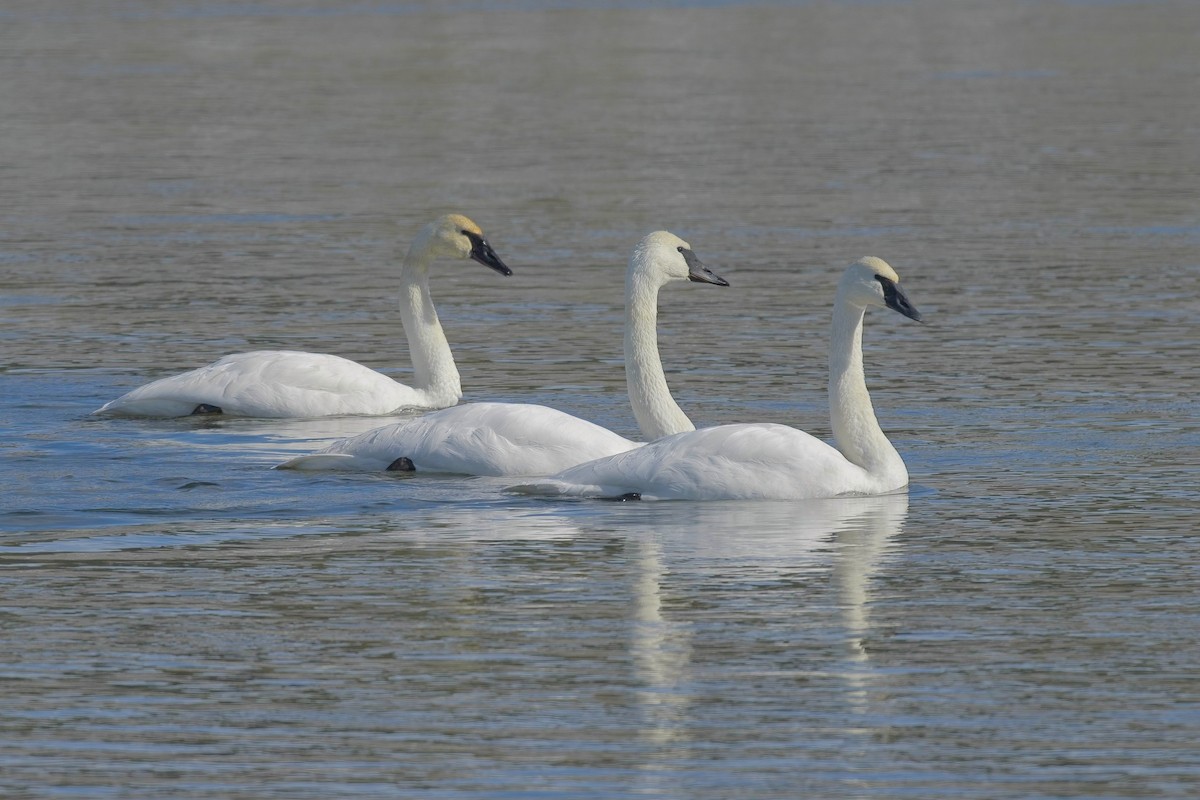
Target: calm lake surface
[(181, 180)]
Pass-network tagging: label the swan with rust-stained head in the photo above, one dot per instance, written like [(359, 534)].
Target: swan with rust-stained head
[(288, 383), (770, 461), (523, 439)]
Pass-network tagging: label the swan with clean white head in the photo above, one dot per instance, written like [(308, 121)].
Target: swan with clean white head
[(524, 439), (291, 384), (770, 461)]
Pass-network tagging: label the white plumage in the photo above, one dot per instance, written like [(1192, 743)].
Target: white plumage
[(474, 439), (769, 461), (751, 461), (522, 439), (289, 383)]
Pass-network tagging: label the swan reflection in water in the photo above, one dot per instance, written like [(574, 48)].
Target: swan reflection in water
[(704, 583), (849, 535), (679, 554)]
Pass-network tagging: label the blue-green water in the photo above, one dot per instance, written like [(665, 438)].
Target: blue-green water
[(185, 180)]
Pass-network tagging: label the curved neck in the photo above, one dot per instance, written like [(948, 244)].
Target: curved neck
[(433, 363), (655, 410), (855, 428)]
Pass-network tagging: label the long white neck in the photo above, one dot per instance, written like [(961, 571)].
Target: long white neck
[(434, 371), (655, 410), (855, 428)]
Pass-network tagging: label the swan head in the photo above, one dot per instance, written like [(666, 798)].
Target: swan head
[(456, 236), (871, 281), (662, 257)]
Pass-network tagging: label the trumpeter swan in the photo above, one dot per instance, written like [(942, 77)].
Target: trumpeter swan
[(769, 461), (286, 383), (523, 439)]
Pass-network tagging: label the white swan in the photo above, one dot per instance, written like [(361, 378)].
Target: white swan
[(286, 383), (768, 461), (522, 439)]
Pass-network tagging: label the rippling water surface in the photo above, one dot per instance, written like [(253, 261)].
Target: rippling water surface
[(183, 180)]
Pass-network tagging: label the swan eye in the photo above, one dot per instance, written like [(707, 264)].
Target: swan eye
[(680, 248)]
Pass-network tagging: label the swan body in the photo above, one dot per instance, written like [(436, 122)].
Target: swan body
[(521, 439), (474, 439), (750, 461), (289, 383), (770, 461), (273, 383)]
